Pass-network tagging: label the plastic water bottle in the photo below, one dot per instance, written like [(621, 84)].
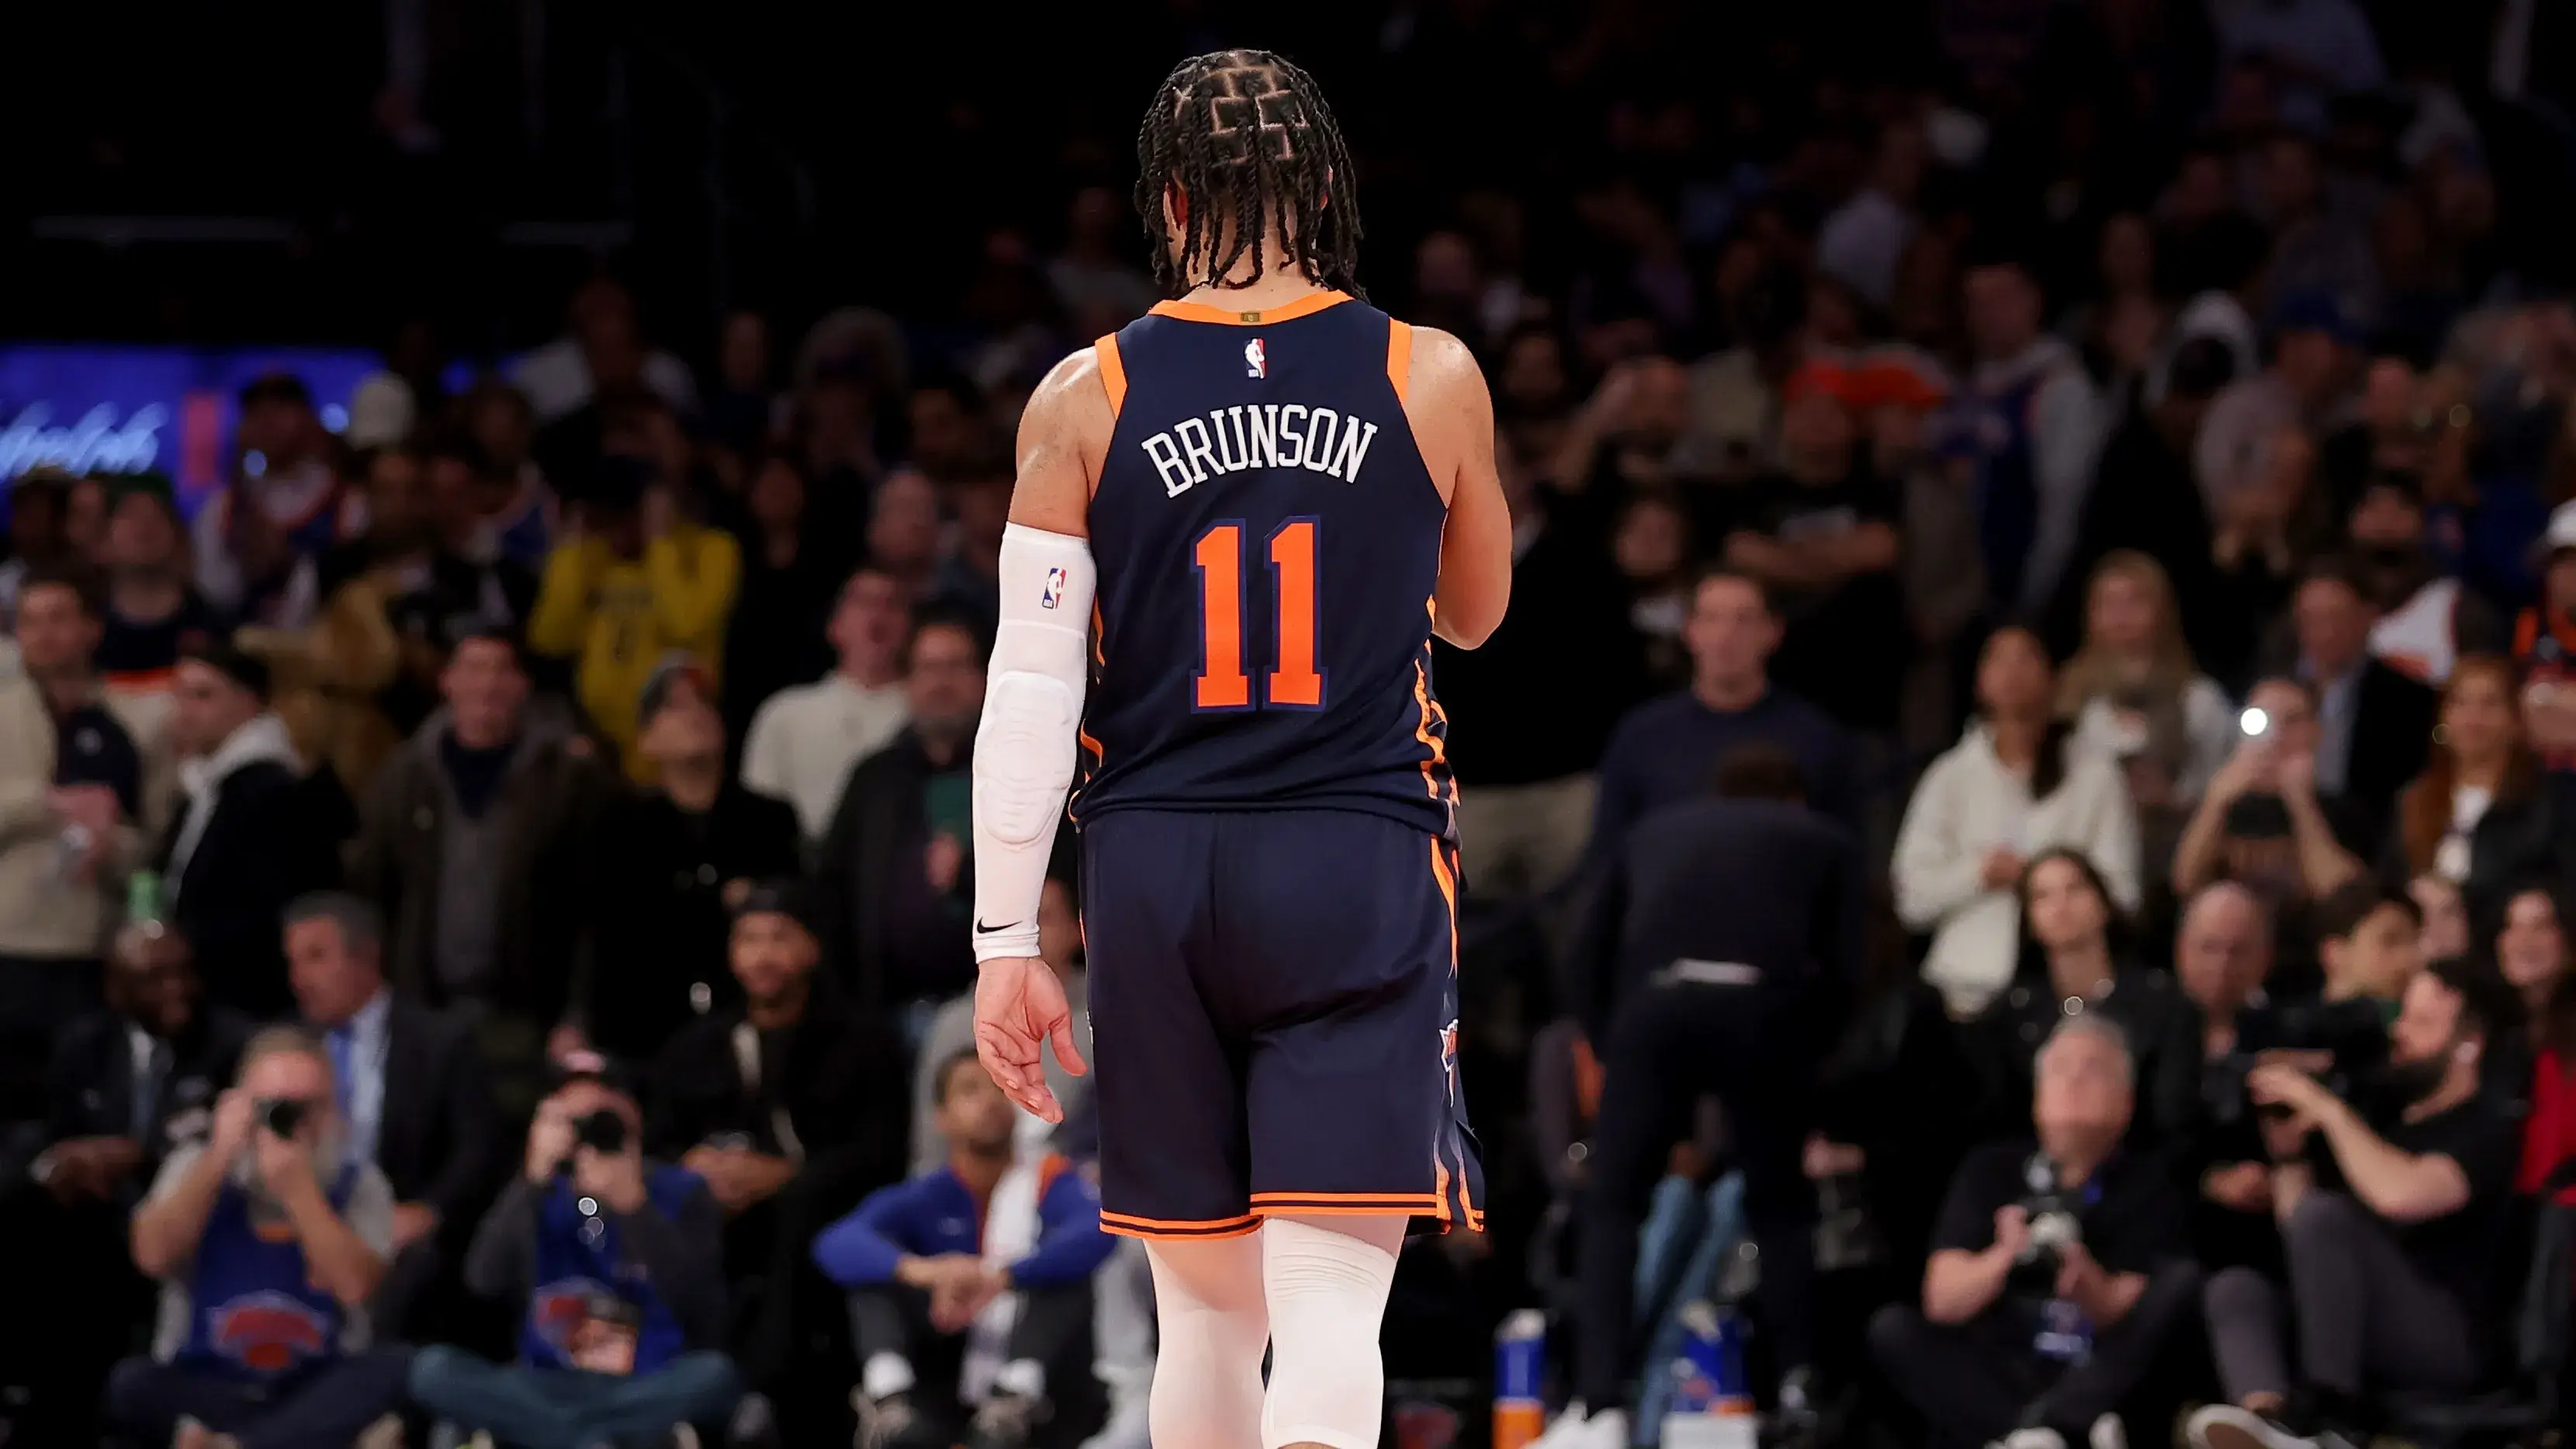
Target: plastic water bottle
[(1712, 1404), (1520, 1377)]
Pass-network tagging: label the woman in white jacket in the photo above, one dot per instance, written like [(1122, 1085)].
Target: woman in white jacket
[(2017, 783)]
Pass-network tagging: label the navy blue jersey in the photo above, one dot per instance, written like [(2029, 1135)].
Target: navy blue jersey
[(1268, 541)]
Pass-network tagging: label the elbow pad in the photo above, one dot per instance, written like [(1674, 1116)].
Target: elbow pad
[(1025, 746)]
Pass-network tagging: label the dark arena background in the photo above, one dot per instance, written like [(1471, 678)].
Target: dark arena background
[(503, 500)]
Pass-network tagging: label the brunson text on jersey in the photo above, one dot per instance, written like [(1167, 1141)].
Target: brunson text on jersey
[(1259, 435)]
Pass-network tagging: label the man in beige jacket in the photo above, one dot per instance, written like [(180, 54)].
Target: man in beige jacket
[(73, 788)]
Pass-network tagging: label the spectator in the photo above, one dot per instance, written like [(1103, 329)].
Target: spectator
[(2262, 822), (1630, 434), (970, 1286), (245, 840), (2391, 1219), (2015, 785), (1645, 981), (38, 500), (1861, 241), (2222, 957), (1091, 278), (952, 1031), (2317, 49), (2032, 420), (2445, 914), (85, 510), (1821, 536), (893, 884), (72, 778), (903, 532), (476, 845), (673, 859), (602, 348), (413, 1099), (2256, 547), (2373, 722), (613, 1260), (2531, 951), (256, 544), (126, 1087), (2058, 1270), (519, 509), (632, 585), (153, 614), (805, 739), (969, 574), (2135, 694), (773, 641), (2075, 959), (743, 408), (2544, 645), (268, 1241), (1524, 760), (1652, 546), (2477, 816), (946, 413), (470, 578), (1669, 748), (2143, 499), (2427, 620), (790, 1106)]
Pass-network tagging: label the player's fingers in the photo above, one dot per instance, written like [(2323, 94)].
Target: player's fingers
[(1002, 1058), (1066, 1053)]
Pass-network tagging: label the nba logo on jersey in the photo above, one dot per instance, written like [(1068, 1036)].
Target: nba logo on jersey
[(1256, 359), (1054, 589)]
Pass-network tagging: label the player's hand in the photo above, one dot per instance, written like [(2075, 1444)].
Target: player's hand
[(1018, 1004)]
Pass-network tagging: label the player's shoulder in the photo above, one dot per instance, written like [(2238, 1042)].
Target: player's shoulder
[(1442, 376), (1076, 383)]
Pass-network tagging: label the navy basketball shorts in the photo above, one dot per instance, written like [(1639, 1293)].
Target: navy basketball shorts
[(1274, 1021)]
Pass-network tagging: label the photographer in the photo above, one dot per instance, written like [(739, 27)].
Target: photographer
[(268, 1242), (2057, 1273), (2390, 1204), (617, 1262)]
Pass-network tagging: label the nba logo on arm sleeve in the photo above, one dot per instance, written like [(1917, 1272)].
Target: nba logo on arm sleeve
[(1256, 359), (1054, 591)]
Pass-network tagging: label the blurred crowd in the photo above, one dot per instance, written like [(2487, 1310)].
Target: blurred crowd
[(2041, 689)]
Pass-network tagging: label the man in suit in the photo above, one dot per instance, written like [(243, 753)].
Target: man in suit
[(127, 1086), (244, 839), (2373, 723), (414, 1093)]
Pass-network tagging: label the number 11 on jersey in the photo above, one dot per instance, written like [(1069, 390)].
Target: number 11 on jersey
[(1222, 684)]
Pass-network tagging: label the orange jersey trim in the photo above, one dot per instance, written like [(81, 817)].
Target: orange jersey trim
[(1399, 358), (1113, 372), (1305, 306), (1121, 1225)]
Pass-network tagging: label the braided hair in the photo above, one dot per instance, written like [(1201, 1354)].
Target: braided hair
[(1241, 143)]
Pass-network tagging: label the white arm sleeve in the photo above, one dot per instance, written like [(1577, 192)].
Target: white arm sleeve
[(1024, 749)]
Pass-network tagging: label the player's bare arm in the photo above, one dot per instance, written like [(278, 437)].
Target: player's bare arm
[(1024, 749), (1064, 435), (1453, 420)]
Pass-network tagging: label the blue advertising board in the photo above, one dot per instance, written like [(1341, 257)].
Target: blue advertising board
[(100, 408)]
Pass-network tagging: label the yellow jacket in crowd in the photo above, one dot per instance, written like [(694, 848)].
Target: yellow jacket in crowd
[(618, 618)]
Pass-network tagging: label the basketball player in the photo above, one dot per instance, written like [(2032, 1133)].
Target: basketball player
[(1238, 524)]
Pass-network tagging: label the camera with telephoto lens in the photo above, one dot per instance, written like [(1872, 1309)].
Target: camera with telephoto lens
[(2053, 1229), (280, 1116), (603, 1132), (2351, 1038)]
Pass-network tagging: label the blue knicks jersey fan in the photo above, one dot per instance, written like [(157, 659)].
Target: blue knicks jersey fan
[(1268, 541)]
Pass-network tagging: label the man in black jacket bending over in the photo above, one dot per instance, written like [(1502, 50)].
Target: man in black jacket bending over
[(1719, 954)]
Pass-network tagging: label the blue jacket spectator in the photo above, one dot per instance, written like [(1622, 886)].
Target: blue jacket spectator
[(970, 1285)]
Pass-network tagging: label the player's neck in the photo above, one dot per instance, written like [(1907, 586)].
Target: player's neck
[(1272, 290)]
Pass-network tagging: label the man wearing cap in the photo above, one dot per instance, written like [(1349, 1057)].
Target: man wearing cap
[(613, 1257), (2427, 620), (257, 541), (672, 860), (244, 841), (2544, 644), (153, 613), (790, 1105)]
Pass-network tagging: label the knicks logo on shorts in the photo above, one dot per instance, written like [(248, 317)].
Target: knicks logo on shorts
[(267, 1332), (1256, 359), (1449, 1056)]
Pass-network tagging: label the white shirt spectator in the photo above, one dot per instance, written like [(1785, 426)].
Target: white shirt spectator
[(1862, 242), (1969, 803), (804, 740)]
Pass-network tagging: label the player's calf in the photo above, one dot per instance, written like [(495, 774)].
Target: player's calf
[(1326, 1282)]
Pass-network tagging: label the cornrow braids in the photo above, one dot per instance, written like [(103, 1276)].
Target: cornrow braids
[(1243, 144)]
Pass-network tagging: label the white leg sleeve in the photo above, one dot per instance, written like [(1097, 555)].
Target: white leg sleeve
[(1207, 1383), (1326, 1287)]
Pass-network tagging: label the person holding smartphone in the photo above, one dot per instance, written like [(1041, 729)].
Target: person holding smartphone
[(2264, 823), (616, 1260)]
